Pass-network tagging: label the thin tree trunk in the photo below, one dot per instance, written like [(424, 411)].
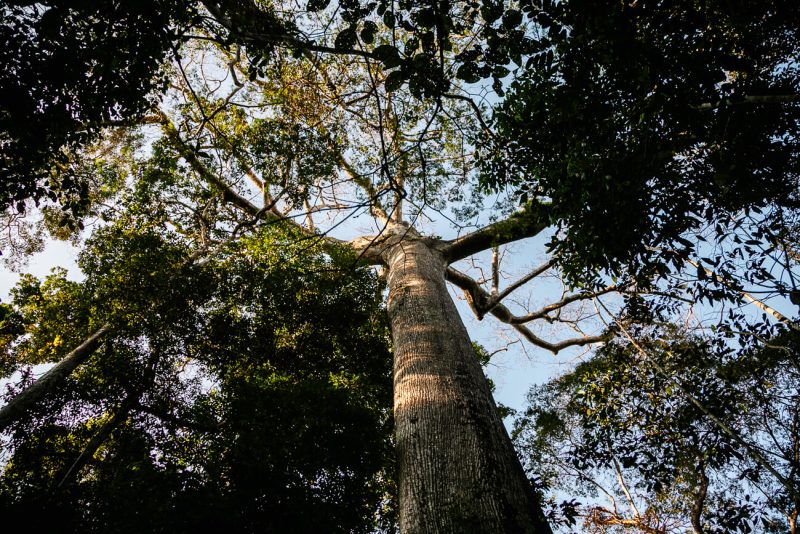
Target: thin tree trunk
[(99, 437), (458, 471), (699, 500), (20, 404)]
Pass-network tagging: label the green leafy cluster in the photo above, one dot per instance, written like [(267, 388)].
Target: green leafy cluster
[(69, 66), (666, 414), (633, 121), (238, 393)]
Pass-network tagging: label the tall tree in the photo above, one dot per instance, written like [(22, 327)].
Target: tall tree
[(318, 114)]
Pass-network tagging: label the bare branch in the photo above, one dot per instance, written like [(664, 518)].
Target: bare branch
[(544, 310), (624, 486), (477, 298), (476, 109), (555, 348), (495, 270), (524, 280)]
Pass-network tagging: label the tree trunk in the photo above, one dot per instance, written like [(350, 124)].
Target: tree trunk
[(699, 500), (49, 381), (457, 469)]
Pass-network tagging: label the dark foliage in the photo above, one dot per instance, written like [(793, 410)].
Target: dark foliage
[(678, 418), (69, 67), (640, 121), (241, 399)]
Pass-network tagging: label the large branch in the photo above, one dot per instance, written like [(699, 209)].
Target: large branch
[(477, 298), (187, 153), (520, 225), (749, 99), (268, 213), (21, 403), (497, 297)]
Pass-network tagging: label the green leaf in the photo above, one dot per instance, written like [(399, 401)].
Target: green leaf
[(317, 5), (388, 55), (346, 38), (500, 72), (469, 73), (369, 31), (411, 46), (511, 19), (426, 18), (395, 80), (701, 272)]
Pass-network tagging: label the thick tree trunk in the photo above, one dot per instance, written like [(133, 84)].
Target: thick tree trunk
[(458, 471)]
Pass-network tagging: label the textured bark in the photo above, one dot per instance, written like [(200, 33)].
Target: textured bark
[(457, 469)]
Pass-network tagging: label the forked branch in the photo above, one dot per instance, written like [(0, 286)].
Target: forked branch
[(478, 298)]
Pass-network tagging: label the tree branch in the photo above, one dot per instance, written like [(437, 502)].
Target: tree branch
[(750, 99), (624, 486), (477, 298), (544, 310), (524, 280), (523, 224), (476, 109), (268, 212), (757, 457), (747, 296), (99, 437)]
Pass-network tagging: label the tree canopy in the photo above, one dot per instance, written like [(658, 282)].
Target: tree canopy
[(248, 182), (642, 122), (243, 388), (69, 69), (668, 432)]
